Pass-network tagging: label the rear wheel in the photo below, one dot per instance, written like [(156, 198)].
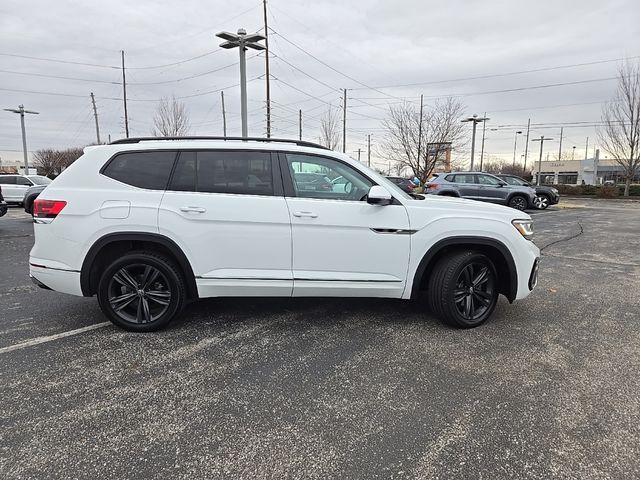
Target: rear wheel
[(141, 291), (518, 202), (463, 289), (541, 201)]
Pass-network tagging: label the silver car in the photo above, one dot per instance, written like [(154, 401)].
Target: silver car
[(481, 186)]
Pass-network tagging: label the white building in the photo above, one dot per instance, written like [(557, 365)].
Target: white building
[(590, 171)]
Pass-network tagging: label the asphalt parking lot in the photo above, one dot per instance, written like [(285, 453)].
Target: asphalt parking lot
[(326, 388)]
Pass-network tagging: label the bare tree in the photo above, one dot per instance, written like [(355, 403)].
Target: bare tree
[(50, 162), (441, 131), (620, 135), (330, 135), (171, 119)]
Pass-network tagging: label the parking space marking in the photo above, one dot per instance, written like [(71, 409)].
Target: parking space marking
[(49, 338)]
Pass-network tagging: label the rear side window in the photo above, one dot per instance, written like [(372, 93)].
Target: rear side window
[(149, 170), (464, 178), (5, 180), (246, 173)]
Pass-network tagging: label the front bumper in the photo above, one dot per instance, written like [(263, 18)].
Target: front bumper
[(3, 208)]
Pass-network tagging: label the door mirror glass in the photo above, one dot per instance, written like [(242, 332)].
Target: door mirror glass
[(379, 195)]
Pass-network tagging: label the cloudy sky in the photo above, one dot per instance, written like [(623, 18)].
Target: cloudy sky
[(504, 58)]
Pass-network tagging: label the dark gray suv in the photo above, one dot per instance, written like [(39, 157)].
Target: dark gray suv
[(483, 187)]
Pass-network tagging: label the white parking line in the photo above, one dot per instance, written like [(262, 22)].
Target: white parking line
[(39, 340)]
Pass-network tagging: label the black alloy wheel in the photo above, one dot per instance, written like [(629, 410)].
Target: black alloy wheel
[(463, 289), (541, 201), (141, 291), (518, 202)]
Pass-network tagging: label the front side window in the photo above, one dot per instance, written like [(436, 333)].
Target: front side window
[(246, 173), (148, 170), (488, 180), (326, 178)]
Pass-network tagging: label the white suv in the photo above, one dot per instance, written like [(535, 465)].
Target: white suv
[(15, 186), (149, 224)]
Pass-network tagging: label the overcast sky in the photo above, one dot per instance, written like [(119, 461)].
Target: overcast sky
[(367, 43)]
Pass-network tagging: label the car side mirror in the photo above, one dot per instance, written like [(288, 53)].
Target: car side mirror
[(378, 195), (503, 184)]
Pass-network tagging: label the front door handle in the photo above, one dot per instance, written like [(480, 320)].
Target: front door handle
[(305, 214), (192, 209)]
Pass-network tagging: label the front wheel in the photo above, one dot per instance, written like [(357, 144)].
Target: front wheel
[(541, 201), (463, 289), (141, 291), (518, 202)]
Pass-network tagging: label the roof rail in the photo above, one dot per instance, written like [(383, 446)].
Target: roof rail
[(300, 143)]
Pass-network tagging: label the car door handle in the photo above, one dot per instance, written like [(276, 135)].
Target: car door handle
[(193, 209), (305, 214)]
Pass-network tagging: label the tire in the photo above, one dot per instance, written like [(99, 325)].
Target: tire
[(150, 288), (518, 202), (450, 296), (541, 201)]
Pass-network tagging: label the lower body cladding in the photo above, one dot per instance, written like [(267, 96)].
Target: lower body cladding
[(64, 281)]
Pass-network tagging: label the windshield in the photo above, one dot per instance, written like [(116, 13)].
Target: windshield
[(39, 180)]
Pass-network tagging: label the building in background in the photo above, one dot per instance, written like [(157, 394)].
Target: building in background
[(590, 171), (440, 154)]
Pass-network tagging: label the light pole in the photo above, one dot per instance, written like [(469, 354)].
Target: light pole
[(573, 153), (541, 140), (22, 111), (475, 121), (242, 41), (515, 146)]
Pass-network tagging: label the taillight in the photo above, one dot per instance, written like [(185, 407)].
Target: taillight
[(47, 208), (432, 186)]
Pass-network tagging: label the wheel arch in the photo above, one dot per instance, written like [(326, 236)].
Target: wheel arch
[(494, 249), (114, 244)]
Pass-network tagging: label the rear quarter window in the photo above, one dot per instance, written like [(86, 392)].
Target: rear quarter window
[(148, 170)]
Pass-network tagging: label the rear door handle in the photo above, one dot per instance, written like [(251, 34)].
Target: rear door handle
[(305, 214), (193, 209)]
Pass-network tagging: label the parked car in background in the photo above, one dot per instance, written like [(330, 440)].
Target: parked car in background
[(15, 186), (545, 195), (405, 184), (30, 196), (482, 186), (3, 205), (313, 182)]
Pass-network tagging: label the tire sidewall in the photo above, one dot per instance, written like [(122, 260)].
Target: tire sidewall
[(175, 285), (460, 320)]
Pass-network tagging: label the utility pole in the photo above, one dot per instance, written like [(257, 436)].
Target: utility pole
[(482, 148), (541, 140), (224, 116), (586, 149), (573, 153), (95, 116), (300, 123), (475, 120), (526, 148), (515, 146), (344, 123), (242, 41), (369, 150), (560, 148), (420, 129), (266, 61), (21, 111), (124, 97), (359, 154)]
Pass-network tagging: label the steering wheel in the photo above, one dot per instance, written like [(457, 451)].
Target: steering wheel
[(348, 187)]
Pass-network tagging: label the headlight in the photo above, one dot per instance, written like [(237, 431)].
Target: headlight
[(554, 190), (525, 227)]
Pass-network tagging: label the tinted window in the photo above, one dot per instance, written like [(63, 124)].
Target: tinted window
[(5, 180), (513, 180), (464, 178), (23, 181), (142, 169), (487, 180), (313, 177), (247, 173), (40, 180)]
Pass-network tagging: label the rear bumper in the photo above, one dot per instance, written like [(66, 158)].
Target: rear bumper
[(64, 281)]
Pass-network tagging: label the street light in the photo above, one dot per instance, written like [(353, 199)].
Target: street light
[(22, 111), (541, 140), (573, 153), (475, 121), (242, 41), (515, 144)]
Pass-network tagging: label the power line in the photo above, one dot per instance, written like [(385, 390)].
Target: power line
[(496, 75), (151, 67), (59, 61), (58, 77)]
